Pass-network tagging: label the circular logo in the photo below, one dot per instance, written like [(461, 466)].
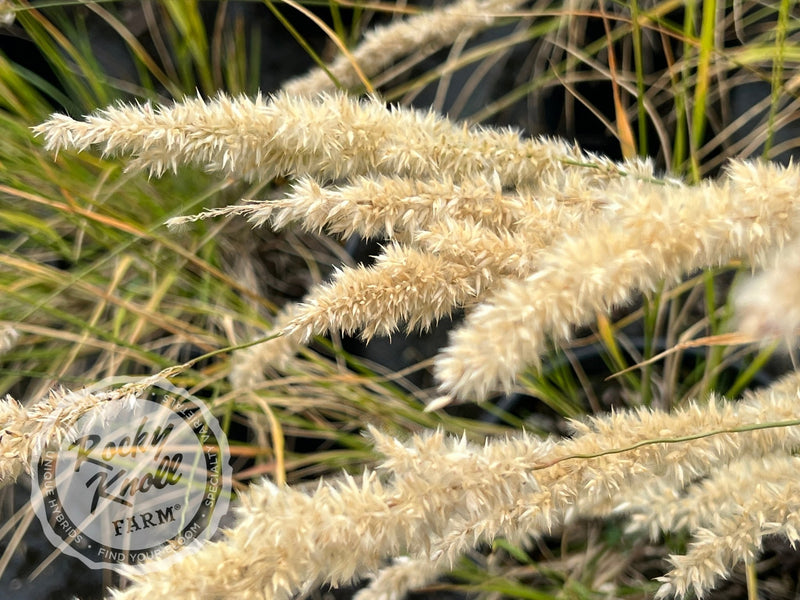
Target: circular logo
[(136, 482)]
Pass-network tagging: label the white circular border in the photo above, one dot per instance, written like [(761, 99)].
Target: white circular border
[(170, 553)]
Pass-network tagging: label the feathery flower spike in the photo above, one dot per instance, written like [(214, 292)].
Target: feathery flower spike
[(768, 304), (382, 46), (26, 430), (379, 207), (646, 233), (287, 541), (332, 136)]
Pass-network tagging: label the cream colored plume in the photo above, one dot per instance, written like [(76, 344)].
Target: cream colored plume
[(288, 542), (533, 237)]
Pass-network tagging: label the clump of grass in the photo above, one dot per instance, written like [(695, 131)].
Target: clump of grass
[(94, 285)]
